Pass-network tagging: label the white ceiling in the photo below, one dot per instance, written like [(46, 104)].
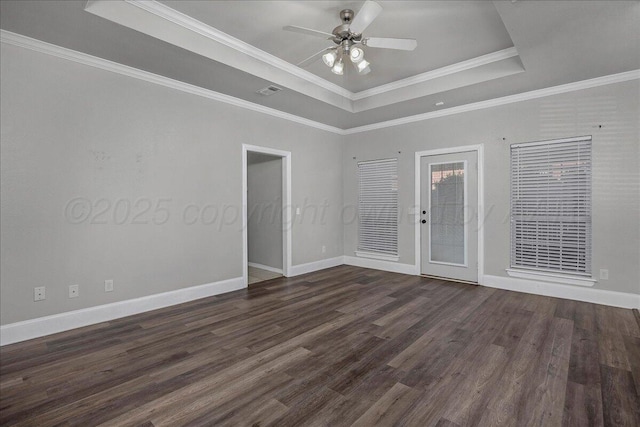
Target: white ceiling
[(468, 52), (447, 32)]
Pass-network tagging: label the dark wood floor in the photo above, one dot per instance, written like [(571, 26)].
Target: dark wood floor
[(345, 346)]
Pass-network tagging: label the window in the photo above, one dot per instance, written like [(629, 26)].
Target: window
[(447, 240), (378, 208), (551, 206)]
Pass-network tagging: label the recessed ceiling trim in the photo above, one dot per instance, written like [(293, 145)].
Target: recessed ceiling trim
[(439, 72), (198, 39), (438, 85), (233, 52), (19, 40), (106, 65), (179, 18), (170, 14), (525, 96)]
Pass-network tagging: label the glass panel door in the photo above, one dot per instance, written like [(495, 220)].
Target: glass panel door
[(447, 220), (449, 216)]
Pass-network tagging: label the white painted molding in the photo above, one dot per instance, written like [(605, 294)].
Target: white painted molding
[(549, 277), (437, 73), (34, 328), (265, 267), (165, 12), (29, 329), (376, 264), (525, 96), (189, 23), (171, 15), (103, 64), (92, 61), (577, 293), (310, 267)]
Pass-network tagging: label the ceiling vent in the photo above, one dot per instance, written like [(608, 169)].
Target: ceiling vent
[(269, 90)]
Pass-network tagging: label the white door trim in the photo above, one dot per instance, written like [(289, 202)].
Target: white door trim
[(286, 208), (479, 149)]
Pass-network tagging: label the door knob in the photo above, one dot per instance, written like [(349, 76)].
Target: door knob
[(424, 212), (424, 221)]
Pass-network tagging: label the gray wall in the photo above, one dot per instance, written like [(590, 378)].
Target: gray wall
[(616, 170), (264, 210), (77, 141), (79, 145)]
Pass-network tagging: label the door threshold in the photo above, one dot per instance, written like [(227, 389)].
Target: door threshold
[(449, 279)]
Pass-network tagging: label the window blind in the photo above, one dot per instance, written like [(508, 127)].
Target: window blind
[(551, 206), (378, 206)]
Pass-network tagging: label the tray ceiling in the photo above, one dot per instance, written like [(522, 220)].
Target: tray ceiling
[(448, 32), (468, 52)]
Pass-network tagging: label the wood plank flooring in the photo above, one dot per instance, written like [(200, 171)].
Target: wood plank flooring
[(344, 346)]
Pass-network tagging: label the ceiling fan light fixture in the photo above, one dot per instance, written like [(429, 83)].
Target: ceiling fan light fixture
[(350, 40), (356, 55), (338, 67), (363, 67), (329, 58)]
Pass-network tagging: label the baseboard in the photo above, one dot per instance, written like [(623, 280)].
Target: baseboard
[(42, 326), (377, 264), (577, 293), (310, 267), (34, 328), (265, 267)]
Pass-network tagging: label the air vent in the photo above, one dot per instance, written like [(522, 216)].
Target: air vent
[(269, 90)]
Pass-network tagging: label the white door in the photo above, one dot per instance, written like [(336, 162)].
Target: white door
[(448, 216)]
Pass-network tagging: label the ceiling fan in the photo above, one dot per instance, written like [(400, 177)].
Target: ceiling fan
[(348, 36)]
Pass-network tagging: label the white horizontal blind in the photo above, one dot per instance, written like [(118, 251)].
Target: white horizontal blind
[(378, 206), (551, 206)]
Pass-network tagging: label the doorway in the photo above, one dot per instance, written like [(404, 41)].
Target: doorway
[(448, 236), (266, 214)]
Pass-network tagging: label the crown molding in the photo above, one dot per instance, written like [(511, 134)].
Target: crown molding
[(525, 96), (103, 64), (185, 21), (92, 61), (108, 10), (439, 72)]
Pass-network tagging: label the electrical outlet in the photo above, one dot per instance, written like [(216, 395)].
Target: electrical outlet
[(108, 285), (38, 293), (324, 249), (74, 291), (604, 274)]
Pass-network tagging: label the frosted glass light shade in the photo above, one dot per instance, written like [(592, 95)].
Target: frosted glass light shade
[(338, 68), (329, 58), (363, 67), (356, 55)]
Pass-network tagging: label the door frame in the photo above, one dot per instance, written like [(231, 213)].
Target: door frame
[(286, 208), (479, 149)]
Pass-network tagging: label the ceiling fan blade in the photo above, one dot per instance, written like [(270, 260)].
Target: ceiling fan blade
[(369, 11), (308, 31), (313, 57), (388, 43)]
